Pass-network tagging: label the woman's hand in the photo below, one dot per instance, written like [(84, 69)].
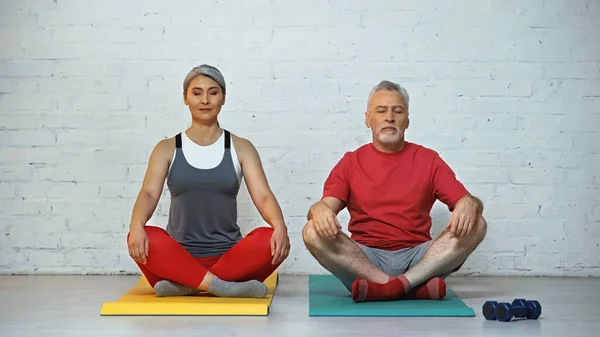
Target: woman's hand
[(138, 244), (280, 245)]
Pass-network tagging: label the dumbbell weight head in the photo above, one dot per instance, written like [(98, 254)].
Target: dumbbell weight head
[(489, 310), (504, 312), (535, 309)]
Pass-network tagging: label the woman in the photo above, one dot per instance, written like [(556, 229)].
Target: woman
[(202, 248)]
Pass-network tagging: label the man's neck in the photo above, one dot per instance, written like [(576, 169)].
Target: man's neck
[(389, 147)]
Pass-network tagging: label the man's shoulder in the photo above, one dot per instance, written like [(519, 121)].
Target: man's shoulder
[(351, 154), (421, 150), (360, 150)]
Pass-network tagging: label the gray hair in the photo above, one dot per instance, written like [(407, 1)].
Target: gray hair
[(390, 86), (206, 70)]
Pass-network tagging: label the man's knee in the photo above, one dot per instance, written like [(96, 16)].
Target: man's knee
[(478, 231), (475, 235), (480, 228), (309, 234)]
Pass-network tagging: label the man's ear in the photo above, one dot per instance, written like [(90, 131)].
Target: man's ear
[(367, 115), (185, 99)]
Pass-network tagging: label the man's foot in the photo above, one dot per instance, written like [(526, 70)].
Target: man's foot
[(367, 291), (396, 289), (432, 289)]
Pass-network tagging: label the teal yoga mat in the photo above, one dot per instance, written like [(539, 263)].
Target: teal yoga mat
[(329, 297)]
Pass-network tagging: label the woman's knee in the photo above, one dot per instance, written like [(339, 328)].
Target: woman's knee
[(153, 231), (156, 235), (263, 232)]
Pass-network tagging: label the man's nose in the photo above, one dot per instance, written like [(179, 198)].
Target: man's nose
[(389, 117)]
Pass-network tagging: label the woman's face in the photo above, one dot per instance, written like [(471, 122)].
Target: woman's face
[(204, 98)]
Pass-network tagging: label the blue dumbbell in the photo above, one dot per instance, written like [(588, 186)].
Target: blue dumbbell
[(519, 308), (504, 312)]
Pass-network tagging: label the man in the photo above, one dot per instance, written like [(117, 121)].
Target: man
[(389, 187)]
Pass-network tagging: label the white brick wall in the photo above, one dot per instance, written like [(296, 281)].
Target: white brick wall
[(507, 91)]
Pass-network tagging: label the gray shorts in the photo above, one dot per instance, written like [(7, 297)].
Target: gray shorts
[(393, 263)]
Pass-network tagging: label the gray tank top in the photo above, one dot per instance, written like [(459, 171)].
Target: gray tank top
[(203, 211)]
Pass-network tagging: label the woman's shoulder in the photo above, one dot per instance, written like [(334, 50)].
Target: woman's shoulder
[(243, 147), (165, 148), (240, 143), (166, 144)]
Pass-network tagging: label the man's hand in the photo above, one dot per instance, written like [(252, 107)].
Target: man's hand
[(280, 245), (464, 216), (325, 221)]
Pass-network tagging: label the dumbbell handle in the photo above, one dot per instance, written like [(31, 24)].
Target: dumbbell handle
[(506, 311), (519, 310)]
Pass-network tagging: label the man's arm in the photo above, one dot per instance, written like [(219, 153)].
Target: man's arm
[(336, 205), (472, 199), (464, 206), (446, 187), (479, 204), (336, 191)]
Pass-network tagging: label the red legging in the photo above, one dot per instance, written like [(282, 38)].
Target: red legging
[(249, 259)]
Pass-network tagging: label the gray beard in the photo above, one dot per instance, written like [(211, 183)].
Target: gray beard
[(387, 139)]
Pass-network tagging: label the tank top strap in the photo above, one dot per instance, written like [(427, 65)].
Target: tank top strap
[(178, 141), (227, 140)]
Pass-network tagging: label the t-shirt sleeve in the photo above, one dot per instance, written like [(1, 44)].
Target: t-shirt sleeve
[(337, 184), (446, 187)]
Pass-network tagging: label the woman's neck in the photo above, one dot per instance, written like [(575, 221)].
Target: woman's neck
[(202, 134)]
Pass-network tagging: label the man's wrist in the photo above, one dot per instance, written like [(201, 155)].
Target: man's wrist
[(470, 199), (309, 216), (478, 203)]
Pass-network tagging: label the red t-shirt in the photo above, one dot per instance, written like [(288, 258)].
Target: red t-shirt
[(389, 196)]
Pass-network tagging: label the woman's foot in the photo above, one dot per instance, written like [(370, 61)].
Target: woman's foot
[(167, 288)]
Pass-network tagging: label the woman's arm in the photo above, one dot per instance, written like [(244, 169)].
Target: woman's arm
[(258, 186), (152, 186), (263, 197)]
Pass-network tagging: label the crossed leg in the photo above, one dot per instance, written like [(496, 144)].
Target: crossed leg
[(172, 271), (342, 256)]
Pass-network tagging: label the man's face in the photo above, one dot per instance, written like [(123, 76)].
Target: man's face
[(387, 116)]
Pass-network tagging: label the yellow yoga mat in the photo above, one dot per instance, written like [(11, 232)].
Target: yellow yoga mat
[(140, 301)]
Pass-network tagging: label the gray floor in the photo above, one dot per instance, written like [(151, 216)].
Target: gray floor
[(70, 306)]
